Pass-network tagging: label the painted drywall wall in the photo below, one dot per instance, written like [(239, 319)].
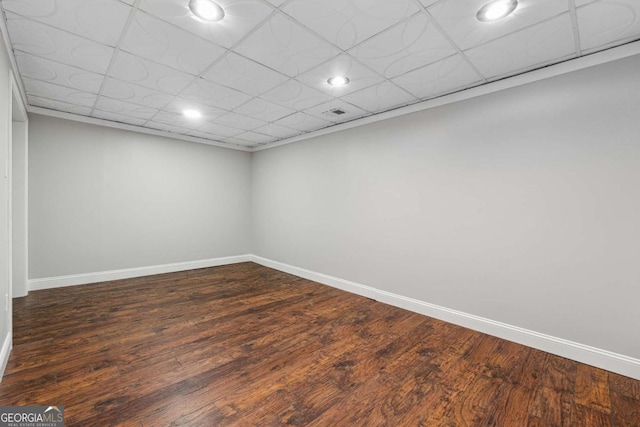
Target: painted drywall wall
[(521, 206), (103, 199)]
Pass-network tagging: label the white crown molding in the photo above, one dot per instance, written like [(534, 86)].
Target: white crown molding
[(123, 126), (128, 273), (604, 359), (558, 69), (5, 352)]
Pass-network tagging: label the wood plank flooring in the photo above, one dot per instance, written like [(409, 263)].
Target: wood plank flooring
[(249, 346)]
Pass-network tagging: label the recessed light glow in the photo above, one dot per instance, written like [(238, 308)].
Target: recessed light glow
[(207, 10), (192, 114), (338, 81), (496, 10)]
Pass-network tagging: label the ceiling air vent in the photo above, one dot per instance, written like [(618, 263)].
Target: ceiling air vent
[(335, 112)]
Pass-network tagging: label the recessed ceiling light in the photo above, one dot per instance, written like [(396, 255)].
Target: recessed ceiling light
[(338, 81), (192, 114), (207, 10), (496, 10)]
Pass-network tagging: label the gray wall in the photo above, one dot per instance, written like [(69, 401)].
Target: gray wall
[(103, 199), (521, 206)]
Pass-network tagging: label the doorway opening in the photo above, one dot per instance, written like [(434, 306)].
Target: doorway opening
[(19, 194)]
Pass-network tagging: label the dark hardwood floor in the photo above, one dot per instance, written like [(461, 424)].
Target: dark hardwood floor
[(250, 346)]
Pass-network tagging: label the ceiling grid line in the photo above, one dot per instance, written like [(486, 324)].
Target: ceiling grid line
[(280, 10), (264, 21), (450, 40), (342, 52), (123, 34), (574, 24)]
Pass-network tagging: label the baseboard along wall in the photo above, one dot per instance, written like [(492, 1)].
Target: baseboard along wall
[(600, 358), (129, 273)]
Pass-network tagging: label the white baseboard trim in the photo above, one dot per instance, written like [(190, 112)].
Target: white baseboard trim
[(4, 353), (128, 273), (603, 359)]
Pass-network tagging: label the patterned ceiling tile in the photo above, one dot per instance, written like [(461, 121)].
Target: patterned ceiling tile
[(99, 20), (303, 122), (166, 44), (243, 74), (214, 95), (277, 131), (448, 75), (296, 96), (346, 23), (120, 118), (146, 73), (42, 40), (344, 65), (239, 121), (177, 119), (166, 127), (54, 92), (58, 106), (135, 94), (256, 138), (218, 129), (285, 46), (264, 110), (458, 19), (534, 46), (276, 3), (379, 98), (205, 135), (336, 111), (260, 74), (48, 71), (608, 22), (179, 105), (125, 108), (240, 18), (405, 47)]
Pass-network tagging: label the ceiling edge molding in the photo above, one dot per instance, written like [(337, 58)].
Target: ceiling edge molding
[(558, 69), (12, 57), (124, 126)]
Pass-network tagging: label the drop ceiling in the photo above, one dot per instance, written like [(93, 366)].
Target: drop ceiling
[(259, 76)]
